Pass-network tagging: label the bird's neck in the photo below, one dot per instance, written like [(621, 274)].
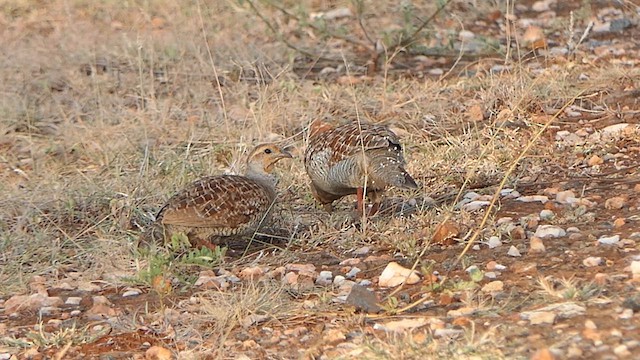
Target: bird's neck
[(259, 175)]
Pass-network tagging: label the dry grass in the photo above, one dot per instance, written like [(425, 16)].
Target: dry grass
[(108, 109)]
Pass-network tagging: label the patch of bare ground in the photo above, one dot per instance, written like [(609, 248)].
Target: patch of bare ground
[(519, 121)]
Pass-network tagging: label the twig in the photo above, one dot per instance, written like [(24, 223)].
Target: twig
[(414, 35), (281, 38)]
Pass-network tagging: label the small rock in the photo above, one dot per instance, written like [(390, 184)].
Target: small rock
[(158, 353), (493, 287), (132, 292), (402, 325), (100, 312), (307, 269), (609, 240), (632, 302), (601, 279), (324, 278), (494, 242), (592, 261), (20, 303), (252, 273), (626, 314), (88, 286), (543, 354), (475, 205), (533, 198), (541, 317), (622, 351), (595, 160), (615, 203), (394, 274), (352, 273), (290, 278), (618, 223), (547, 215), (362, 251), (73, 301), (447, 333), (554, 231), (565, 197), (513, 251), (350, 262), (333, 337), (541, 6), (463, 311), (491, 275), (339, 279), (536, 245)]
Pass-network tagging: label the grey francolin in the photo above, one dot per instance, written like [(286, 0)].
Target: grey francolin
[(347, 159), (225, 205)]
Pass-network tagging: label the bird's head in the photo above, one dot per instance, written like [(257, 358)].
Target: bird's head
[(264, 156)]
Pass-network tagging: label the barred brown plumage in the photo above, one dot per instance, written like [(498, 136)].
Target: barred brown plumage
[(344, 160), (225, 205)]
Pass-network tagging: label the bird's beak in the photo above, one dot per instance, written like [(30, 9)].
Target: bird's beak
[(285, 155)]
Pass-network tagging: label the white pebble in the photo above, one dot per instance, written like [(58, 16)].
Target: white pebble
[(609, 240), (546, 214), (494, 242), (513, 251)]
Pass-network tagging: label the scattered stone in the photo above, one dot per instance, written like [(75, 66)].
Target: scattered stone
[(446, 233), (634, 268), (554, 231), (609, 240), (592, 261), (253, 319), (463, 311), (88, 286), (447, 332), (350, 262), (565, 197), (208, 280), (543, 354), (306, 269), (536, 245), (324, 278), (493, 287), (131, 292), (491, 275), (401, 325), (362, 251), (158, 353), (533, 198), (75, 313), (494, 242), (622, 351), (73, 301), (573, 229), (595, 160), (100, 312), (34, 302), (475, 205), (475, 273), (290, 278), (252, 273), (626, 314), (513, 251), (547, 215), (333, 337), (352, 273), (394, 274), (562, 310), (619, 222), (615, 203), (541, 317), (338, 280)]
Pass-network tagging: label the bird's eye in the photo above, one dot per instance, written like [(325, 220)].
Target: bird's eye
[(267, 151)]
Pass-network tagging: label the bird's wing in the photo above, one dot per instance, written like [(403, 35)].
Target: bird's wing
[(218, 201)]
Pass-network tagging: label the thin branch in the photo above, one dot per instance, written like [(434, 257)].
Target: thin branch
[(281, 38), (426, 22)]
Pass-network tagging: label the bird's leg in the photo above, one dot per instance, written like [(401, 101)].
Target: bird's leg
[(328, 207), (360, 200), (375, 198)]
